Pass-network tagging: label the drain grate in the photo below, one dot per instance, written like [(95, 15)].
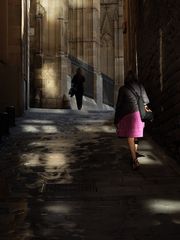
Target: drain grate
[(57, 188)]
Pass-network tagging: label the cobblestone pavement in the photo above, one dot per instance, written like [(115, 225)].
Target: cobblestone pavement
[(66, 176)]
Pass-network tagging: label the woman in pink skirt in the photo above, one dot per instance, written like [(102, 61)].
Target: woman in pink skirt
[(127, 117)]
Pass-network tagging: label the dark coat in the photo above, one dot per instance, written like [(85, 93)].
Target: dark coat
[(127, 100), (77, 83)]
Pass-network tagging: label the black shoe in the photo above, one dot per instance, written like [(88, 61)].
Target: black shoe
[(135, 165)]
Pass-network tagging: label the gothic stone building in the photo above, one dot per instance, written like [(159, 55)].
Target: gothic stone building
[(70, 34)]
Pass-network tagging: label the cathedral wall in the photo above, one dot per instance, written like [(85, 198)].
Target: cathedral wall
[(112, 44), (68, 32)]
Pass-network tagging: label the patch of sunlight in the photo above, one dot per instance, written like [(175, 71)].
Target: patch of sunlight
[(163, 206), (30, 129), (49, 129), (57, 208), (54, 160), (146, 146), (149, 161), (39, 129), (50, 79), (91, 129), (31, 159)]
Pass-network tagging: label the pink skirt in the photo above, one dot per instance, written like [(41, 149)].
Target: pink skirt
[(130, 126)]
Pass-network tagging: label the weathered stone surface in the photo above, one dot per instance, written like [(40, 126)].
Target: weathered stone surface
[(67, 176)]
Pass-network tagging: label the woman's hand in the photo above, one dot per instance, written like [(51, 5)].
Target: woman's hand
[(147, 108)]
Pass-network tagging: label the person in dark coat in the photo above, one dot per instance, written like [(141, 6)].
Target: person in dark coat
[(78, 84), (127, 116)]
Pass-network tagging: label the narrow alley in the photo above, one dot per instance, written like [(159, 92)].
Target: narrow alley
[(65, 175)]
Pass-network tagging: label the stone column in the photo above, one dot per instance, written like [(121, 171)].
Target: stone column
[(4, 30), (119, 50), (38, 60), (63, 55), (91, 43), (98, 83), (39, 18), (130, 34), (72, 28)]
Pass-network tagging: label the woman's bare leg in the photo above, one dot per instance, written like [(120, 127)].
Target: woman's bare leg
[(132, 149), (136, 142)]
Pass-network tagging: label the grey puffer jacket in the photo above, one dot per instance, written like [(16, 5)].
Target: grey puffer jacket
[(127, 99)]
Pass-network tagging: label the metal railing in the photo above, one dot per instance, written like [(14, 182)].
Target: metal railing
[(108, 90)]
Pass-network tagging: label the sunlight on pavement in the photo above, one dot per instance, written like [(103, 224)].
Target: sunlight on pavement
[(30, 129), (148, 161), (91, 129), (55, 160), (58, 208), (49, 129), (47, 160), (39, 129), (163, 206), (31, 159)]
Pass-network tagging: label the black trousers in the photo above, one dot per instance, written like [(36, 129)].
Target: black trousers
[(79, 98)]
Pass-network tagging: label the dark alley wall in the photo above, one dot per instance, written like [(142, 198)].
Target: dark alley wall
[(11, 83), (159, 64)]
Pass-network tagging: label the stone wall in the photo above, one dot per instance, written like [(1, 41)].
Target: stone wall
[(49, 51), (159, 65), (11, 81), (130, 34)]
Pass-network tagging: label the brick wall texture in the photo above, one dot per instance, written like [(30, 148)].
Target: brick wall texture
[(158, 49)]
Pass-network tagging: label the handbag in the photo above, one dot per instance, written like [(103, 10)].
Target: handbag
[(145, 115), (72, 91)]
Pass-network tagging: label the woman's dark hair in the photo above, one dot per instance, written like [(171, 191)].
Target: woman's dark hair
[(130, 77)]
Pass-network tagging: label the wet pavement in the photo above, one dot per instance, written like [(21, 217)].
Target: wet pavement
[(66, 176)]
